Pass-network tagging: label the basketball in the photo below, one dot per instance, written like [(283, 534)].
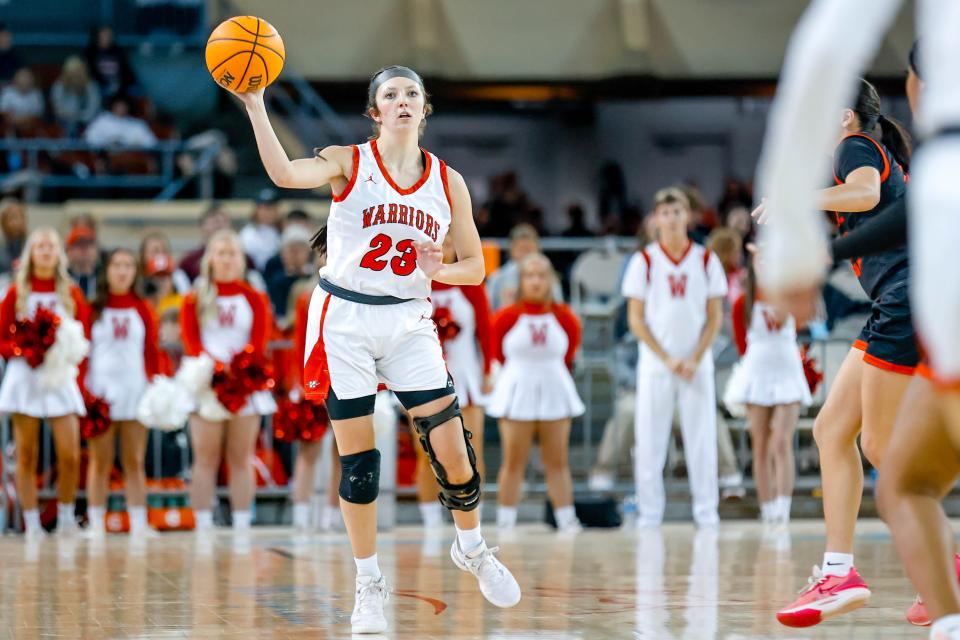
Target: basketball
[(244, 53)]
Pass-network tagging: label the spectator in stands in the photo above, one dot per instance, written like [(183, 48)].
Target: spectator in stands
[(213, 219), (260, 238), (503, 283), (703, 219), (117, 128), (728, 245), (83, 258), (75, 98), (10, 58), (13, 222), (612, 198), (296, 217), (738, 219), (578, 227), (735, 194), (109, 65), (507, 206), (21, 101), (295, 255), (158, 284)]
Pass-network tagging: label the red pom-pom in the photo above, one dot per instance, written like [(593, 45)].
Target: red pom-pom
[(447, 327), (97, 421), (34, 336), (248, 373), (302, 420), (810, 372)]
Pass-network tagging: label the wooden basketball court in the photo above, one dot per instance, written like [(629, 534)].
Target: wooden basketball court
[(675, 583)]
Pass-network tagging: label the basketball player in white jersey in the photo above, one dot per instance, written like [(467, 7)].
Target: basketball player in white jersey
[(922, 462), (674, 289), (370, 319)]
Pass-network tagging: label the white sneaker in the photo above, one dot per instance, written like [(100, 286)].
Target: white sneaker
[(35, 535), (67, 529), (571, 528), (601, 481), (368, 607), (497, 584)]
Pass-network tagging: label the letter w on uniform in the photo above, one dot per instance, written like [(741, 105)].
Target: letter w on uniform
[(772, 323), (678, 286), (538, 334), (227, 315), (121, 328)]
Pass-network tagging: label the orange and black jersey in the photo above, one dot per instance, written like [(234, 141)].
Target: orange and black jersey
[(860, 150)]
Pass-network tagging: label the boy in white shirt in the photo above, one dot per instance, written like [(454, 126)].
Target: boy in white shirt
[(675, 289)]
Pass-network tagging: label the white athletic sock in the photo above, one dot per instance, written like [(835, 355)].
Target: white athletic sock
[(506, 517), (31, 520), (432, 514), (470, 539), (66, 514), (836, 564), (241, 520), (565, 516), (783, 508), (204, 519), (946, 628), (301, 515), (138, 519), (368, 567), (95, 515), (767, 510)]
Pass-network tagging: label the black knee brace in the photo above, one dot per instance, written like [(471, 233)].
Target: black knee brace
[(360, 477), (459, 497)]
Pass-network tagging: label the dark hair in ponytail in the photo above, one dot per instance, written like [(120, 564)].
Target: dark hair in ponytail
[(890, 132)]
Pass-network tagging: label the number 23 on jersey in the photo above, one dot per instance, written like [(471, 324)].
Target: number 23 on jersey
[(402, 264)]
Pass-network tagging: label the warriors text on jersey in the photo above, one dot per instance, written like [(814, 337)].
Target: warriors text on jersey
[(373, 224)]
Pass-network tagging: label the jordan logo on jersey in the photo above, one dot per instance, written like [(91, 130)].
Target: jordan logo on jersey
[(227, 315), (678, 286), (773, 324), (538, 334), (394, 213), (370, 179), (121, 328)]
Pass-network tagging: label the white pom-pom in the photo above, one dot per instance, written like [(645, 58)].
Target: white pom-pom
[(61, 362), (164, 405), (196, 375)]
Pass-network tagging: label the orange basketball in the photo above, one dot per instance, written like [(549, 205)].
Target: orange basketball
[(244, 53)]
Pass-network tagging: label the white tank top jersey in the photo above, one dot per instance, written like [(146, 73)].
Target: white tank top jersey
[(766, 329), (373, 224), (675, 293)]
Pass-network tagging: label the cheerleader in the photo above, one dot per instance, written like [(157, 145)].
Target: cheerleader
[(536, 340), (42, 280), (124, 356), (770, 382), (308, 453), (221, 316), (462, 315)]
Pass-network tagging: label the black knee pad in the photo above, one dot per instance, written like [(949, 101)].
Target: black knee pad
[(456, 497), (360, 477)]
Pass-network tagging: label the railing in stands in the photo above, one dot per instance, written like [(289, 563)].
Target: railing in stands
[(73, 163)]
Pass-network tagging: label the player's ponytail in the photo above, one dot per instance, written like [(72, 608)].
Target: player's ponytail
[(895, 138), (890, 132)]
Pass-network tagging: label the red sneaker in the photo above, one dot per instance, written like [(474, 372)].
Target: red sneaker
[(917, 613), (825, 597)]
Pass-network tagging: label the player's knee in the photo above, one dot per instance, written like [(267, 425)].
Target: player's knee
[(68, 461), (457, 466), (829, 433), (360, 477), (873, 449)]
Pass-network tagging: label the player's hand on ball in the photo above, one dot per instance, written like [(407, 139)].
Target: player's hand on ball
[(249, 98), (429, 257)]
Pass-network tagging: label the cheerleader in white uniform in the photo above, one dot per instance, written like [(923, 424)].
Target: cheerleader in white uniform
[(124, 356), (770, 382), (536, 340), (221, 316), (42, 280), (462, 314)]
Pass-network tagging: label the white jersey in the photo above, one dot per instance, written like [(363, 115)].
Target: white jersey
[(772, 342), (373, 224), (675, 293)]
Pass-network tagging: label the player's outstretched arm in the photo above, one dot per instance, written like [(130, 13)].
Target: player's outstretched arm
[(469, 268), (307, 173)]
